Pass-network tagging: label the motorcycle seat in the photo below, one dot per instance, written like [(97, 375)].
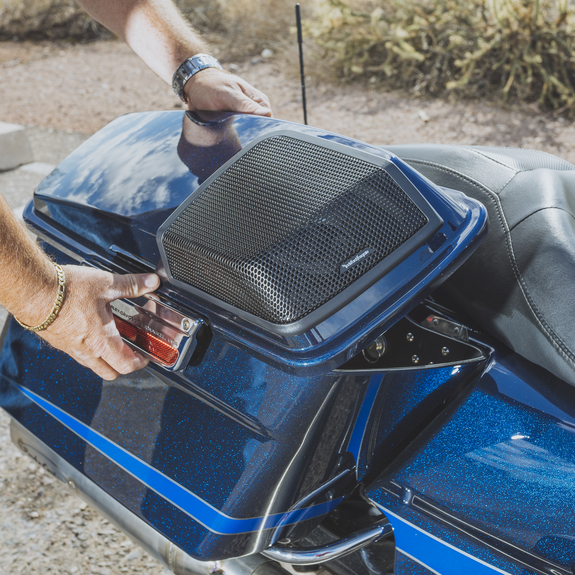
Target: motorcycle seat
[(518, 285)]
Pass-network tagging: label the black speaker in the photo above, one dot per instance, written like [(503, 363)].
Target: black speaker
[(291, 223)]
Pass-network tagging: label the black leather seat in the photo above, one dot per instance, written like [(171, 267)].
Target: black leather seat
[(520, 284)]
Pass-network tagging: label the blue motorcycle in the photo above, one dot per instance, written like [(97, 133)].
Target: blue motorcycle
[(343, 375)]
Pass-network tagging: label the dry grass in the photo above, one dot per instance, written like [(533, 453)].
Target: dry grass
[(65, 20), (47, 20), (521, 50), (248, 25)]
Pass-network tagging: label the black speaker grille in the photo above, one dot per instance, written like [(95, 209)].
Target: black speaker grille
[(270, 235)]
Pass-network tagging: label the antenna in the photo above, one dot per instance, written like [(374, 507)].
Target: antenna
[(302, 75)]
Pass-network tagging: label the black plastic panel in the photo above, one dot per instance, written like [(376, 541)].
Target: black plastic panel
[(288, 226)]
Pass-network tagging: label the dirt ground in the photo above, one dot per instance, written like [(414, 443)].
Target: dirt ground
[(59, 89), (82, 88)]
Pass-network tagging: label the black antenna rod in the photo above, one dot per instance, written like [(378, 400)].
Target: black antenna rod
[(302, 75)]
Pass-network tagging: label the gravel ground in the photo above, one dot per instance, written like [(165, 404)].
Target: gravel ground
[(80, 89), (65, 93)]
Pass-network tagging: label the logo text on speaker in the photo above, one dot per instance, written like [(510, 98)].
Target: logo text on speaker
[(355, 260)]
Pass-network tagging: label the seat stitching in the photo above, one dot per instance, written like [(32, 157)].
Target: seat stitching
[(556, 341), (540, 210), (472, 149), (482, 154)]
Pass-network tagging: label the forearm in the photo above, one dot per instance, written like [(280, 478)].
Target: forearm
[(154, 29), (28, 283)]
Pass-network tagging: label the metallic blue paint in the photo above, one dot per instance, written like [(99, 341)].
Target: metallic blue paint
[(202, 512), (258, 439), (359, 429), (492, 477)]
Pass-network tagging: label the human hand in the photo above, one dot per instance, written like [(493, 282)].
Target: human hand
[(85, 327), (213, 89)]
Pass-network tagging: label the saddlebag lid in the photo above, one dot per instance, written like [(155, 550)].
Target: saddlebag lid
[(301, 245)]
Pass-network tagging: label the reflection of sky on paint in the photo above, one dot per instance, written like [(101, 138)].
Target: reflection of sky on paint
[(524, 461), (132, 165), (526, 395), (249, 128), (129, 167)]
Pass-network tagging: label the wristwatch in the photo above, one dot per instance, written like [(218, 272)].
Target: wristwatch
[(188, 69)]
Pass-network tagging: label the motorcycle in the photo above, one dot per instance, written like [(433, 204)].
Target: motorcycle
[(347, 371)]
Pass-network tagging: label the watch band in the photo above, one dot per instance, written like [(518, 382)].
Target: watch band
[(188, 69)]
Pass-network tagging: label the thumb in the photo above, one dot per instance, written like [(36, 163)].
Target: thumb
[(133, 285)]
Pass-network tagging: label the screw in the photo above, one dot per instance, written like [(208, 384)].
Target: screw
[(71, 485), (186, 324), (410, 337), (445, 351), (414, 359), (435, 321), (456, 330)]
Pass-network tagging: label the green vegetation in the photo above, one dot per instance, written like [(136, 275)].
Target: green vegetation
[(519, 49)]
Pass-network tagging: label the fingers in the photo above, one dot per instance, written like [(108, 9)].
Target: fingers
[(121, 358), (102, 369), (219, 91), (86, 329), (132, 285), (246, 105), (255, 95)]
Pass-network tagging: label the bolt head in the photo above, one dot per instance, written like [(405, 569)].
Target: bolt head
[(410, 337), (445, 351), (414, 359)]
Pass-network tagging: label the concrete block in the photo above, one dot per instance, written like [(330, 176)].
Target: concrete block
[(40, 168), (15, 148)]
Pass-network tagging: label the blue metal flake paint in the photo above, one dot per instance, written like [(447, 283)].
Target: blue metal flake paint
[(490, 486), (260, 437)]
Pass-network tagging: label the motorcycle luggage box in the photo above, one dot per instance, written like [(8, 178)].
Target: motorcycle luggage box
[(296, 244), (250, 440)]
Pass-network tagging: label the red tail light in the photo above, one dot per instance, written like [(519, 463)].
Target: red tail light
[(159, 349)]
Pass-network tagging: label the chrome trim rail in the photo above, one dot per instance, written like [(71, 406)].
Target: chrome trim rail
[(335, 550)]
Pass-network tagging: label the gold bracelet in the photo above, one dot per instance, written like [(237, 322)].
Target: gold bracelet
[(57, 304)]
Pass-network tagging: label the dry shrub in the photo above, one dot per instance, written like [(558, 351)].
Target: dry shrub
[(47, 20), (520, 49), (65, 19), (255, 24)]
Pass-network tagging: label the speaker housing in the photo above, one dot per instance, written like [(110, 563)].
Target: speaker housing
[(285, 248), (159, 164), (248, 244)]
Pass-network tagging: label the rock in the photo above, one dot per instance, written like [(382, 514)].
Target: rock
[(136, 554), (15, 148), (423, 116)]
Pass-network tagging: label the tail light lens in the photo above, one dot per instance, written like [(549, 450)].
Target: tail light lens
[(158, 349), (156, 330)]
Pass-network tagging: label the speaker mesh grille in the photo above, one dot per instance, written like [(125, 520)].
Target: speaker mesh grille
[(270, 234)]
